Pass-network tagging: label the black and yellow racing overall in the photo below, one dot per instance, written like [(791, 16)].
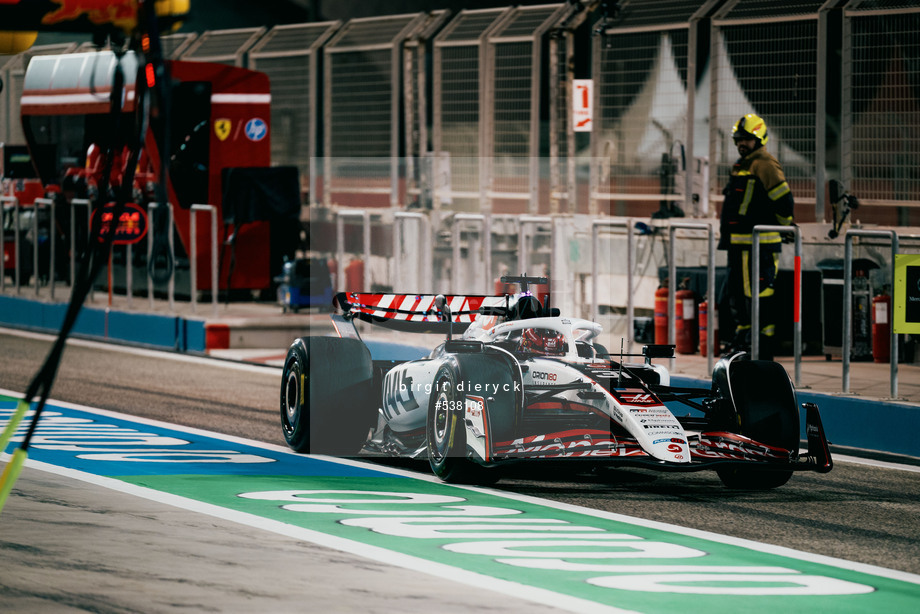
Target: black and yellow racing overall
[(757, 193)]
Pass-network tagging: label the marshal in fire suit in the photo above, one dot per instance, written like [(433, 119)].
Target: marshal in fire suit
[(757, 193)]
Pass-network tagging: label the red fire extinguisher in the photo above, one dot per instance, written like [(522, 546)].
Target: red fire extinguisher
[(354, 276), (503, 288), (661, 315), (704, 332), (685, 321), (881, 328)]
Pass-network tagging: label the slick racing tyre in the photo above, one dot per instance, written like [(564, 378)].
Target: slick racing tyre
[(446, 431), (764, 409), (327, 396)]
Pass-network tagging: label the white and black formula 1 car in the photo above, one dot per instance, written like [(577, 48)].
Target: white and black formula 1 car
[(524, 384)]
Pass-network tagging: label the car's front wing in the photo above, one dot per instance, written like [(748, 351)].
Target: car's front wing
[(708, 449)]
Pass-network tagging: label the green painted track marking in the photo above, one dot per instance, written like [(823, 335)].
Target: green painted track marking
[(619, 563), (571, 557)]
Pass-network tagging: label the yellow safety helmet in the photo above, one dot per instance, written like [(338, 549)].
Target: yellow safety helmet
[(751, 126)]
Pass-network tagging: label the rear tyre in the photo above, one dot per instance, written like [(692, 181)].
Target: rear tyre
[(327, 396), (763, 408)]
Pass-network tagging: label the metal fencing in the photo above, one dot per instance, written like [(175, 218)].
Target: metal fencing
[(847, 323), (223, 46), (289, 55), (562, 192), (362, 110), (417, 88), (459, 96), (450, 127), (764, 59), (880, 143), (641, 109), (472, 112), (513, 131)]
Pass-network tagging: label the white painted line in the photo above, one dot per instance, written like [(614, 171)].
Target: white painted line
[(855, 460), (715, 537), (446, 572), (418, 564), (148, 353), (230, 438)]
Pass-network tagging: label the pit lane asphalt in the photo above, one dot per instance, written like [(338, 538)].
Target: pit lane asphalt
[(868, 514), (67, 546), (70, 546)]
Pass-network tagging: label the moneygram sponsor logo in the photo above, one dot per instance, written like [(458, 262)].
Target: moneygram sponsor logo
[(650, 411), (512, 537)]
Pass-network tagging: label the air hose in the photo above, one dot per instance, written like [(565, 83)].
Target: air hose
[(160, 251)]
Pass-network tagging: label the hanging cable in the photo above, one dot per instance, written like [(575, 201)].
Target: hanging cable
[(100, 243)]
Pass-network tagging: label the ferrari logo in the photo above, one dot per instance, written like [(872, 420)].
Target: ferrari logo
[(222, 128)]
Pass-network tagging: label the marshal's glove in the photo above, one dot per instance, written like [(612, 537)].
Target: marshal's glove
[(789, 237)]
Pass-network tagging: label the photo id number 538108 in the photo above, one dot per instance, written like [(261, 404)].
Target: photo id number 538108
[(450, 405)]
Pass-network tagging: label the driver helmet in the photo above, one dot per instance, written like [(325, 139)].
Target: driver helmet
[(542, 341), (751, 126)]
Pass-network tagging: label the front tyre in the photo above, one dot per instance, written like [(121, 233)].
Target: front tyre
[(446, 432), (764, 409)]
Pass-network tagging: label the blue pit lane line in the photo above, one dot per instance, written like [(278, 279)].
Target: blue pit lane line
[(573, 558), (82, 439)]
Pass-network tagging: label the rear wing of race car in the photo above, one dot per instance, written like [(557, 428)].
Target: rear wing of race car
[(421, 313)]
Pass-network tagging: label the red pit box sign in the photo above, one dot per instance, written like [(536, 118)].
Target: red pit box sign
[(131, 227), (582, 104)]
